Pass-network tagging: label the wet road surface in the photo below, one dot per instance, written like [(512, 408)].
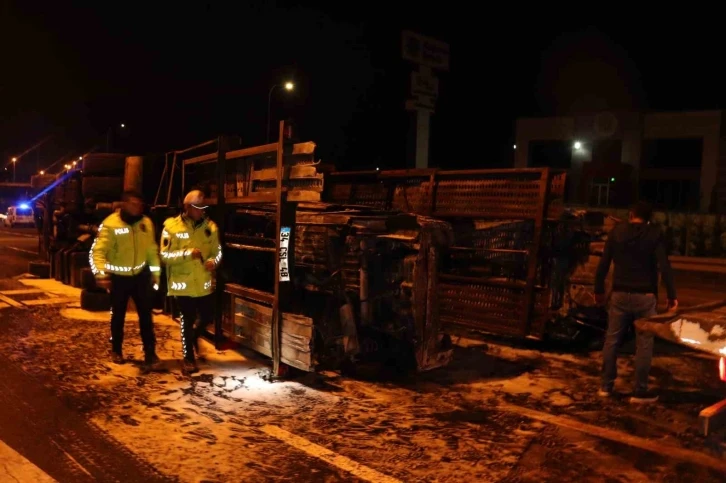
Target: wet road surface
[(501, 412)]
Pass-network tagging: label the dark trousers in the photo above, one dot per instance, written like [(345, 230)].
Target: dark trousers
[(625, 308), (137, 287), (190, 307)]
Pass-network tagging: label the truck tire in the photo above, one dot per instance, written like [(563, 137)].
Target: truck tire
[(79, 260), (103, 187), (95, 300), (104, 165), (88, 281), (39, 269)]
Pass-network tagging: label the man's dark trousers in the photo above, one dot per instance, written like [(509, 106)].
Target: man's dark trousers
[(139, 289), (190, 307), (625, 308)]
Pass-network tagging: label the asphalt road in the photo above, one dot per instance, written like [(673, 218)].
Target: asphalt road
[(501, 411), (40, 436), (18, 246)]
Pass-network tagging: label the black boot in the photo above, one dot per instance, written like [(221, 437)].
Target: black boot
[(151, 363), (189, 366)]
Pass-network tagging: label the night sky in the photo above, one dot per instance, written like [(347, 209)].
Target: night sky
[(181, 73)]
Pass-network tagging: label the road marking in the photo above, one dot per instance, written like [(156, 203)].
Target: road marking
[(23, 291), (22, 250), (50, 301), (15, 467), (330, 457), (23, 235), (657, 447), (72, 459), (10, 301)]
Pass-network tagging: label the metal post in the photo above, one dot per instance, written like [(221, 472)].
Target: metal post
[(530, 291), (221, 209), (47, 225), (171, 180), (163, 175), (269, 102), (277, 365)]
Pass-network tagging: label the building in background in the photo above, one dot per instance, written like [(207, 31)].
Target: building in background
[(677, 160)]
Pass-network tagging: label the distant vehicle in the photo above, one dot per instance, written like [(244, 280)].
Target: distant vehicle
[(19, 215)]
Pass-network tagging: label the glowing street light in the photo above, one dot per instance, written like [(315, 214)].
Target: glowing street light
[(289, 86), (578, 145), (14, 160), (42, 172), (74, 163), (108, 135)]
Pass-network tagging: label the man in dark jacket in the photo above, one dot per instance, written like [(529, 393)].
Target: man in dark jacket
[(638, 251)]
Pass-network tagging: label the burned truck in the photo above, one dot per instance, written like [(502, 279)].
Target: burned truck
[(327, 269), (324, 268)]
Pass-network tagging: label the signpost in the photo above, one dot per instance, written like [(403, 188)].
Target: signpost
[(429, 54)]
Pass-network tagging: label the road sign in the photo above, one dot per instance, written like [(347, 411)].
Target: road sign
[(425, 51), (421, 103), (424, 85)]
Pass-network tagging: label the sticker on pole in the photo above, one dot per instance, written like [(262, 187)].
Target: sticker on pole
[(284, 244)]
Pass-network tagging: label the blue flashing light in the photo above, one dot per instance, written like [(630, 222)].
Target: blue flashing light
[(23, 206)]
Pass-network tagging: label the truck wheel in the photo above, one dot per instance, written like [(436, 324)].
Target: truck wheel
[(95, 301), (88, 281), (39, 269), (98, 187), (104, 165)]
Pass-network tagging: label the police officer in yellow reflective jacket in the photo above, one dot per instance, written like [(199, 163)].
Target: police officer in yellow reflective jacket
[(191, 251), (125, 259)]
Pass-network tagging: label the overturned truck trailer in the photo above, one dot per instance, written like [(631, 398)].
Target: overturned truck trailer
[(495, 276), (326, 268), (360, 281)]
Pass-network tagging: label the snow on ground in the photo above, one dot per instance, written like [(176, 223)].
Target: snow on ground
[(442, 426)]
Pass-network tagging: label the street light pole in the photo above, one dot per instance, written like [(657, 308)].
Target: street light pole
[(108, 137), (14, 163), (288, 86), (269, 102)]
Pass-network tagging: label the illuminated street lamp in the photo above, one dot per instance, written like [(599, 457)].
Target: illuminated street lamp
[(42, 172), (289, 86), (577, 145), (14, 160), (108, 136)]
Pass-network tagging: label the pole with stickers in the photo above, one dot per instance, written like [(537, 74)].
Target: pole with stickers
[(284, 223)]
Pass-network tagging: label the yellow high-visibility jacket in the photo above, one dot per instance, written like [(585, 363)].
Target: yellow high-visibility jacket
[(123, 249), (186, 276)]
